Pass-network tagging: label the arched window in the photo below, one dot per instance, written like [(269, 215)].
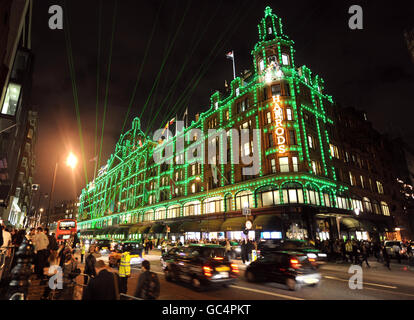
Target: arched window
[(173, 211), (192, 208), (160, 214), (327, 198), (267, 196), (376, 207), (244, 199), (227, 202), (385, 208), (313, 195), (292, 193), (357, 204), (367, 204), (342, 201), (148, 215), (212, 205)]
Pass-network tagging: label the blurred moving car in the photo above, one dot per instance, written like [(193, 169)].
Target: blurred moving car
[(294, 269), (104, 246), (393, 246), (135, 250), (200, 265), (316, 256)]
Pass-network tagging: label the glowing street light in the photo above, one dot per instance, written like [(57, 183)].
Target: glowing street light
[(71, 160)]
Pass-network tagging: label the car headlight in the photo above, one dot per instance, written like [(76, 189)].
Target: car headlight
[(238, 249), (312, 255), (323, 255)]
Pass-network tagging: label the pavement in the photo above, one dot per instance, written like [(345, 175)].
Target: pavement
[(379, 283)]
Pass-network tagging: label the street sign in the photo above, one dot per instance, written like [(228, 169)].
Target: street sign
[(246, 211)]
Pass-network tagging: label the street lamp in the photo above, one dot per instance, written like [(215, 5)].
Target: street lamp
[(71, 161)]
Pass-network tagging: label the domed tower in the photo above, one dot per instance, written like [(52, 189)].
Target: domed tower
[(273, 54)]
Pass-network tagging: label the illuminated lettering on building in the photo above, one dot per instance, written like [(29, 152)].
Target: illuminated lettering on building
[(279, 128)]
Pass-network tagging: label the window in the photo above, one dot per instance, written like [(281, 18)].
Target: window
[(385, 209), (351, 179), (295, 164), (276, 90), (268, 196), (227, 115), (334, 151), (342, 202), (292, 137), (273, 165), (265, 97), (313, 196), (362, 181), (314, 167), (192, 208), (269, 31), (292, 193), (227, 202), (285, 59), (287, 89), (327, 199), (380, 188), (376, 207), (271, 141), (213, 205), (244, 199), (261, 65), (11, 99), (289, 115), (193, 188), (367, 205), (246, 148), (310, 142), (284, 164), (269, 117), (357, 204)]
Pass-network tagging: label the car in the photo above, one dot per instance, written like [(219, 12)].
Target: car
[(201, 265), (316, 256), (135, 250), (104, 246), (389, 246), (290, 268)]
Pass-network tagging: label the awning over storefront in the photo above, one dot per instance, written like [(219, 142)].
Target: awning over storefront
[(175, 226), (234, 224), (134, 229), (211, 225), (158, 228), (350, 224), (144, 229), (190, 226), (267, 222)]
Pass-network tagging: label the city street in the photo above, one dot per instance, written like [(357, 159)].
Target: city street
[(378, 284)]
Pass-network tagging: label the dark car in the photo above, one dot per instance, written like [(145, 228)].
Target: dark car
[(103, 245), (135, 250), (287, 267), (200, 265), (315, 256)]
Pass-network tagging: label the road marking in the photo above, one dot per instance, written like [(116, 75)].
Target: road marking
[(367, 283), (267, 292)]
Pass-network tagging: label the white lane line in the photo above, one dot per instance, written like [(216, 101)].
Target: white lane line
[(367, 283), (250, 289), (266, 292)]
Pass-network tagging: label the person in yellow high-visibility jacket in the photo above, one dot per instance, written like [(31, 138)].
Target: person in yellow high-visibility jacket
[(124, 271)]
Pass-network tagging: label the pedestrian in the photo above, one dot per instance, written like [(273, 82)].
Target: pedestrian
[(355, 252), (244, 251), (90, 263), (51, 269), (82, 251), (348, 250), (41, 243), (124, 271), (105, 286), (228, 249), (70, 272), (397, 248), (148, 284), (365, 254), (386, 257), (53, 245), (146, 246)]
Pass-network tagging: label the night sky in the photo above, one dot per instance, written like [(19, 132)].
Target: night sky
[(369, 69)]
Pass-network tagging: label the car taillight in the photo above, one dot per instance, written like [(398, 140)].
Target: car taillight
[(218, 258), (207, 271), (295, 263), (311, 259), (234, 268)]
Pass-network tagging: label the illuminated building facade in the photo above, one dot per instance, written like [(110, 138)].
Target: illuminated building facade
[(295, 193)]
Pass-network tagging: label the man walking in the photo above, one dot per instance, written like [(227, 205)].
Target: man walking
[(105, 286), (148, 284), (365, 254), (386, 257), (41, 242), (90, 263)]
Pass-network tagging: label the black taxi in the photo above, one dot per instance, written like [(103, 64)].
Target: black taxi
[(201, 265)]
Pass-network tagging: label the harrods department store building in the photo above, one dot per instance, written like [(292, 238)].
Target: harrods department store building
[(311, 182)]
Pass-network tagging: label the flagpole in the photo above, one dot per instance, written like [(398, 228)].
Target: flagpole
[(234, 68)]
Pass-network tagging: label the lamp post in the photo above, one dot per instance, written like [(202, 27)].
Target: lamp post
[(71, 161)]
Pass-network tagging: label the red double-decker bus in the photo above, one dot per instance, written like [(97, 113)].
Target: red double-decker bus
[(65, 229)]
